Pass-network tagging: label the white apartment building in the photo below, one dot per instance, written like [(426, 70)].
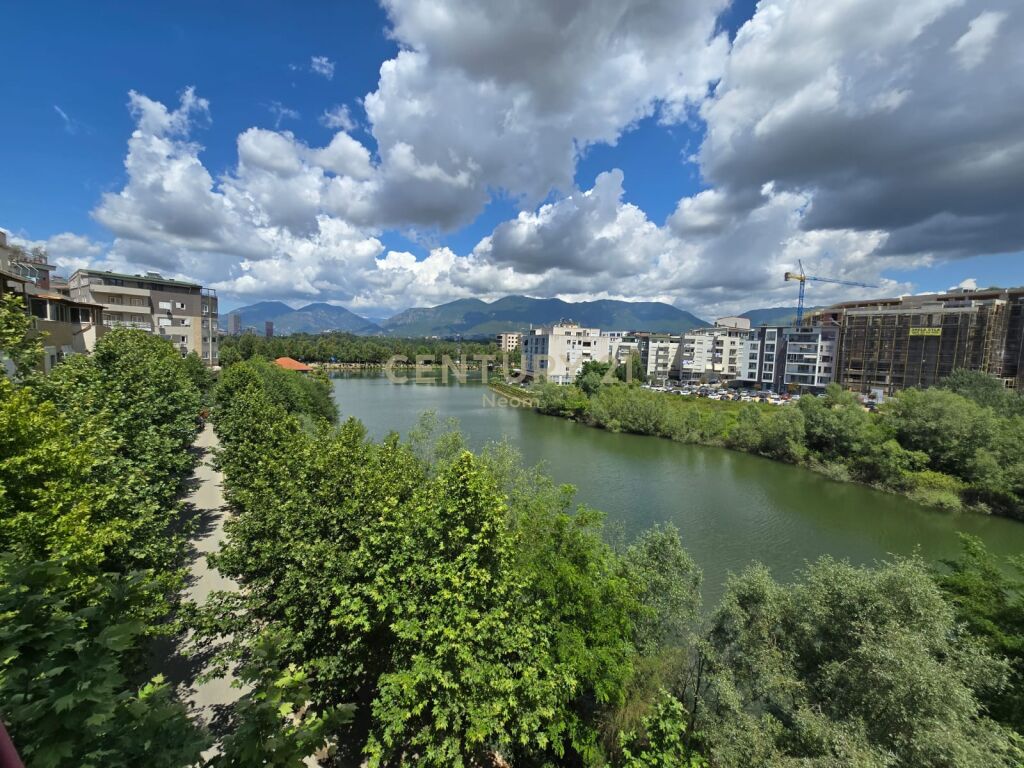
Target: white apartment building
[(508, 342), (787, 359), (810, 357), (183, 313), (659, 355), (719, 352), (557, 352), (621, 346)]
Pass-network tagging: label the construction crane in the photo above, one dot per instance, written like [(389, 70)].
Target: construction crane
[(802, 278)]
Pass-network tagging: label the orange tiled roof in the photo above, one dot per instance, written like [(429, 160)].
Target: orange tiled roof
[(292, 365)]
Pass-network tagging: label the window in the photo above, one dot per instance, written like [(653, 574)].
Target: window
[(179, 305), (164, 321), (165, 305)]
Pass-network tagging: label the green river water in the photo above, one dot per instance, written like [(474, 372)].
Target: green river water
[(731, 508)]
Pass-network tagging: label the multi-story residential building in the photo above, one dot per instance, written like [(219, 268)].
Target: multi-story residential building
[(509, 342), (557, 352), (659, 354), (268, 329), (783, 359), (810, 357), (916, 341), (67, 326), (181, 312), (235, 325), (719, 352), (621, 346)]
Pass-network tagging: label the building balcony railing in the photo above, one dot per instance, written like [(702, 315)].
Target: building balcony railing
[(127, 324)]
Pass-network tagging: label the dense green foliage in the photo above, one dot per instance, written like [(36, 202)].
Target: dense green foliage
[(91, 459), (346, 348), (849, 666), (17, 343), (469, 611), (954, 448), (308, 395), (989, 599), (459, 600), (411, 603)]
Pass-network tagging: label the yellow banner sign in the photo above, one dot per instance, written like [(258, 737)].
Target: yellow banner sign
[(925, 331)]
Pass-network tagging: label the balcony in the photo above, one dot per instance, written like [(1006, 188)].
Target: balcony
[(116, 290), (111, 323)]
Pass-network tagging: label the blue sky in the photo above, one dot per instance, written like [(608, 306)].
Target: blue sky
[(615, 170)]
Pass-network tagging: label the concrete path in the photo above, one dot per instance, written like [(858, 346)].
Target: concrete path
[(207, 501)]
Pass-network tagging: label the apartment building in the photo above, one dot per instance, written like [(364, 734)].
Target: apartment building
[(717, 353), (659, 353), (508, 342), (183, 313), (67, 326), (810, 357), (557, 352), (916, 341), (621, 346)]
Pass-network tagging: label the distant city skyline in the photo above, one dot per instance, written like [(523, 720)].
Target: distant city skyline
[(386, 157)]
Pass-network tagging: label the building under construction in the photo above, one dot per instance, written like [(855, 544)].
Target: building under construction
[(886, 345)]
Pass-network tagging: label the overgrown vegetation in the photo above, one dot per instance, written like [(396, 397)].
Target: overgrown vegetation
[(955, 447)]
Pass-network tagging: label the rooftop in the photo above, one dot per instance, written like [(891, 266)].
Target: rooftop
[(290, 364), (152, 277)]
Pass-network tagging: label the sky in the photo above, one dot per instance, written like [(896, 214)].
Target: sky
[(418, 151)]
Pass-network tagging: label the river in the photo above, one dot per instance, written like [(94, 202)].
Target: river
[(731, 508)]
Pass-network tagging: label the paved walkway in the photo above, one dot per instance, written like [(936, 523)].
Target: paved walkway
[(207, 500)]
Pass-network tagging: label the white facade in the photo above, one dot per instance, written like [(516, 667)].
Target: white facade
[(659, 354), (508, 342), (810, 357), (719, 352), (557, 352)]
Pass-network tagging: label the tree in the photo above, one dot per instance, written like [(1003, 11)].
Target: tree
[(64, 693), (849, 666), (631, 371), (986, 391), (836, 426), (591, 376), (990, 601), (668, 588), (273, 723), (17, 342), (949, 428), (466, 642), (663, 742)]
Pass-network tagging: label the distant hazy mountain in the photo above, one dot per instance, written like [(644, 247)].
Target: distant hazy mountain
[(472, 317), (773, 315), (313, 318), (256, 314)]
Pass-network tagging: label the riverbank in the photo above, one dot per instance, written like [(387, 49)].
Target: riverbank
[(913, 448)]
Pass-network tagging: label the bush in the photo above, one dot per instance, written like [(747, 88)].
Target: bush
[(934, 489)]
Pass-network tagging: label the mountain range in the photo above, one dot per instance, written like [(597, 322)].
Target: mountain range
[(312, 318), (476, 318)]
